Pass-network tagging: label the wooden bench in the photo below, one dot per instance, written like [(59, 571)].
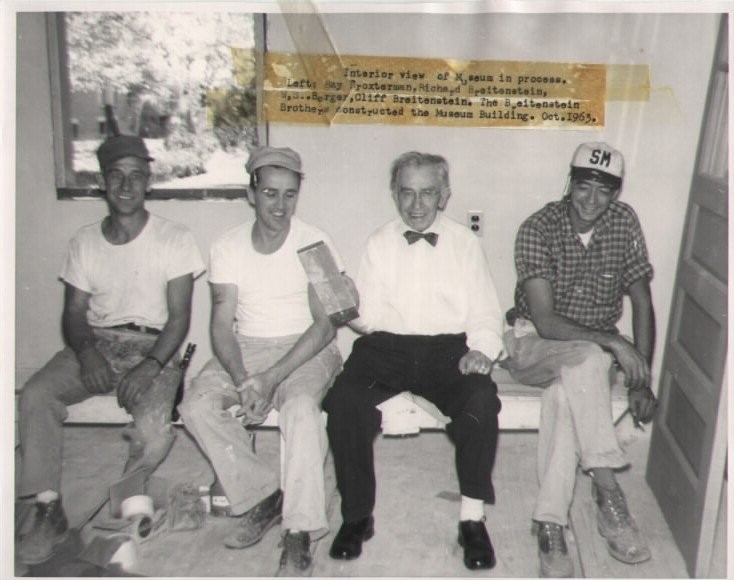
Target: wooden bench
[(403, 414)]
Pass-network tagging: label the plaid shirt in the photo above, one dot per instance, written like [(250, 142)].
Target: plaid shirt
[(588, 282)]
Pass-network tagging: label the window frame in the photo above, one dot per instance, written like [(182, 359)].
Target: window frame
[(66, 188)]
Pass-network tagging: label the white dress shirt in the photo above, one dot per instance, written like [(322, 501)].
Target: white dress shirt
[(421, 289)]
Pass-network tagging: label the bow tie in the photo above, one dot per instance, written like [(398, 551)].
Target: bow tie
[(413, 237)]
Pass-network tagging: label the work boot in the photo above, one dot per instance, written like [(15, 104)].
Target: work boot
[(296, 558), (617, 526), (256, 521), (50, 528), (555, 561)]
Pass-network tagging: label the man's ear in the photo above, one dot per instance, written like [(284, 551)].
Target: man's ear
[(444, 199), (99, 178), (250, 195), (617, 192)]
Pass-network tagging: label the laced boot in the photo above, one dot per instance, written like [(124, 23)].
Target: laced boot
[(296, 559), (256, 521), (555, 561), (617, 526), (50, 528)]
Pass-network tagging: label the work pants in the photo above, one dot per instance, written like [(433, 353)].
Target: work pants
[(44, 398), (382, 365), (246, 478), (576, 424)]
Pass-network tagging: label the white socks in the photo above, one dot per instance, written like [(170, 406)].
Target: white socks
[(47, 496), (471, 509)]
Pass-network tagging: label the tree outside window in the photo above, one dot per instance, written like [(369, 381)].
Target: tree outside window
[(186, 82)]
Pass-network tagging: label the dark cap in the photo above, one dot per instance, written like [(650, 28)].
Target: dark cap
[(274, 156), (119, 146)]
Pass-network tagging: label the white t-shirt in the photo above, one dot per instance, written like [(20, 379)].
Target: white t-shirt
[(128, 282), (272, 289), (421, 289)]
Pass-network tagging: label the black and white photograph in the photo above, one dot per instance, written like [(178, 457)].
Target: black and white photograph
[(365, 289)]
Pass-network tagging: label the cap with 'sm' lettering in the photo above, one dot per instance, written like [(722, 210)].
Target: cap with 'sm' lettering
[(598, 161)]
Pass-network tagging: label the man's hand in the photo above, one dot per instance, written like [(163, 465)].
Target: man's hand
[(96, 372), (136, 381), (253, 407), (642, 404), (256, 397), (635, 366), (475, 362)]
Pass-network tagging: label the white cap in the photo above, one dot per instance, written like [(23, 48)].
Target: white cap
[(599, 158)]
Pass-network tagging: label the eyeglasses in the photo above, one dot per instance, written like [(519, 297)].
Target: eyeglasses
[(136, 179)]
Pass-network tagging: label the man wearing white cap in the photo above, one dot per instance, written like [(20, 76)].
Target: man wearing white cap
[(575, 260), (127, 305), (274, 347)]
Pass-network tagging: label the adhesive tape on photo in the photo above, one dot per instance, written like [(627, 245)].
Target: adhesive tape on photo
[(137, 505)]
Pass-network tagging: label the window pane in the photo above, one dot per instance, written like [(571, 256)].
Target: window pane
[(185, 82)]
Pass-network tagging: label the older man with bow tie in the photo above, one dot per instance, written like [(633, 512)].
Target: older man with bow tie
[(432, 325)]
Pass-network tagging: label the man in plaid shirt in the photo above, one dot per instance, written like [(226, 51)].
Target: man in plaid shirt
[(575, 260)]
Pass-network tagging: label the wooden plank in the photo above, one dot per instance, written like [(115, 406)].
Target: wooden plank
[(520, 409)]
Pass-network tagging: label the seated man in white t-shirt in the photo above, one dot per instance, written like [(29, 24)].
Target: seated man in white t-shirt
[(128, 283), (274, 347)]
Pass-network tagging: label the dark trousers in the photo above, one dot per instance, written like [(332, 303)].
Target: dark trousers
[(384, 364)]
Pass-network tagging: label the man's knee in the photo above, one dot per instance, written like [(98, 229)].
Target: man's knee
[(300, 411), (592, 353), (195, 405), (36, 394), (301, 406), (337, 397), (483, 402)]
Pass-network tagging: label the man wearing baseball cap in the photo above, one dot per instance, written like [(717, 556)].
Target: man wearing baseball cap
[(274, 347), (128, 283), (576, 259)]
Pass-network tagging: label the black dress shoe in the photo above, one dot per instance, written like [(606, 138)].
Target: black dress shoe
[(348, 541), (478, 551)]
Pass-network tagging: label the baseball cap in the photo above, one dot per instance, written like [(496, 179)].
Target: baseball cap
[(598, 161), (119, 146), (276, 156)]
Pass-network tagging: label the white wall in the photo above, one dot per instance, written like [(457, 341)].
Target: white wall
[(507, 173)]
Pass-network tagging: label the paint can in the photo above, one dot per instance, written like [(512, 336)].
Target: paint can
[(219, 503)]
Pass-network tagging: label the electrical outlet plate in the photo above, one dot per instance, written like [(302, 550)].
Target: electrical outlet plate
[(475, 221)]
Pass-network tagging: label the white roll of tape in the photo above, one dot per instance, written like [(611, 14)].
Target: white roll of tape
[(126, 554), (137, 505)]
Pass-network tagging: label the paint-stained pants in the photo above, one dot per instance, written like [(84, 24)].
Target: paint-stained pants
[(246, 478), (576, 422), (44, 398)]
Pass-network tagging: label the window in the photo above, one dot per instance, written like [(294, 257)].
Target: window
[(186, 82)]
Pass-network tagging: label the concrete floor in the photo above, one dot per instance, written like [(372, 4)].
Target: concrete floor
[(416, 513)]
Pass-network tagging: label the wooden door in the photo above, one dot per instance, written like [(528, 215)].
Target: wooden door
[(687, 457)]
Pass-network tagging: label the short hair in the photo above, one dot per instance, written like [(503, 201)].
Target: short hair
[(255, 176), (416, 159)]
